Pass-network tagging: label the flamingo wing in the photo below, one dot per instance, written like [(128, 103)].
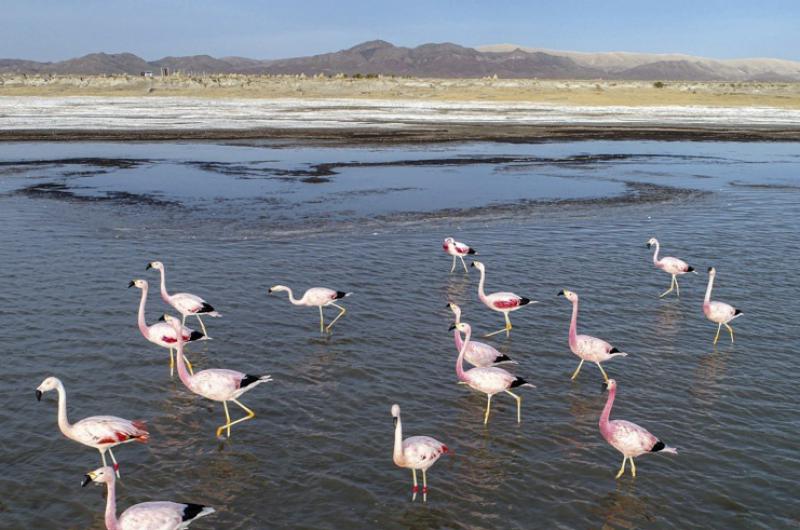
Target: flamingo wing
[(674, 265), (481, 354), (109, 430), (460, 248), (217, 383), (153, 516), (589, 346), (489, 379), (720, 311), (501, 301), (422, 451), (631, 439)]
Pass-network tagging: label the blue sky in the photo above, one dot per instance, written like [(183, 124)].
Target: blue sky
[(60, 29)]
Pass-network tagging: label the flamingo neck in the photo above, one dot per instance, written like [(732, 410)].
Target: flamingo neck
[(655, 254), (481, 292), (457, 336), (397, 454), (111, 505), (183, 373), (707, 299), (460, 360), (63, 422), (142, 324), (604, 427), (573, 325), (164, 294), (292, 299)]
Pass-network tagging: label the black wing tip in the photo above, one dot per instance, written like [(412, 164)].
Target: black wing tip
[(524, 301), (613, 350), (690, 269), (737, 312), (657, 447), (502, 358), (196, 335), (340, 294), (249, 380), (191, 511), (519, 382), (471, 251), (206, 308)]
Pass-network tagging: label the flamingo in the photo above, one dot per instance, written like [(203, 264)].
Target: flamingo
[(217, 384), (487, 379), (99, 432), (417, 452), (628, 438), (162, 333), (718, 312), (586, 347), (146, 515), (185, 303), (478, 353), (668, 264), (457, 250), (319, 297), (501, 302)]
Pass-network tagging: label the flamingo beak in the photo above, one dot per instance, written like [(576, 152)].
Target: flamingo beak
[(452, 327), (648, 245), (86, 480), (149, 266), (472, 264), (269, 291), (38, 395), (561, 293), (162, 318), (131, 284), (604, 387)]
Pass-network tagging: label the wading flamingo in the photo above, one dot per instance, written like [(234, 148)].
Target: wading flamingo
[(501, 302), (185, 303), (489, 379), (674, 266), (586, 347), (718, 312), (162, 333), (218, 384), (162, 515), (478, 353), (316, 297), (626, 437), (99, 432), (457, 250), (417, 452)]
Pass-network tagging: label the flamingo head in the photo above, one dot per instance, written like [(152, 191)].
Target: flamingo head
[(478, 265), (712, 271), (99, 476), (449, 241), (171, 320), (141, 284), (463, 327), (569, 295), (456, 310), (157, 265), (396, 412), (651, 242), (611, 384), (51, 383), (277, 289)]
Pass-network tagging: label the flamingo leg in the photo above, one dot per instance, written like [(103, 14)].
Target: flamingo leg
[(488, 406), (605, 375), (424, 487), (508, 324), (507, 328), (578, 369), (633, 467), (454, 264), (103, 457), (493, 333), (678, 291), (414, 488), (202, 325), (116, 466), (716, 337), (183, 320), (730, 330), (227, 423), (519, 405), (671, 286), (464, 264), (321, 321), (188, 365), (342, 311), (171, 363), (622, 469)]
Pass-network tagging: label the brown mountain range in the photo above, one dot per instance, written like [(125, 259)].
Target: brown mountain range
[(444, 60)]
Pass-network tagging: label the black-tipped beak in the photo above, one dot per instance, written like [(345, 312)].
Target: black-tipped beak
[(87, 479), (648, 245), (131, 284), (149, 266), (162, 318), (472, 264), (452, 327), (561, 293), (38, 395), (269, 291), (710, 269), (604, 386), (447, 306)]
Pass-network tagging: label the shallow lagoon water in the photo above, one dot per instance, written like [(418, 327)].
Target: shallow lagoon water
[(74, 232)]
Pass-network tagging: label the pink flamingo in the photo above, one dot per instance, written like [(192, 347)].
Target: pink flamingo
[(489, 379), (185, 303), (478, 353), (146, 515), (317, 297), (99, 432), (626, 437), (501, 302), (718, 312), (162, 333), (217, 384), (674, 266), (457, 250), (586, 347), (417, 452)]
